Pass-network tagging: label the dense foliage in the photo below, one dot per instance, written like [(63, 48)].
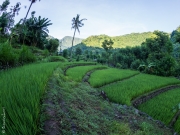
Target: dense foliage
[(133, 39)]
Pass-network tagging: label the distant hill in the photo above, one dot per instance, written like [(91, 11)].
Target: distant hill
[(66, 42), (133, 39)]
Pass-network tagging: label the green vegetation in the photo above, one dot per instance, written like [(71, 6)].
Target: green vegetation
[(177, 125), (56, 58), (79, 110), (125, 91), (10, 57), (21, 91), (161, 107), (103, 77), (76, 24), (77, 73), (133, 39)]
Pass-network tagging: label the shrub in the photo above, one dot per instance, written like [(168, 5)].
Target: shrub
[(3, 39), (26, 56), (7, 55), (56, 58), (135, 64), (118, 65), (45, 53)]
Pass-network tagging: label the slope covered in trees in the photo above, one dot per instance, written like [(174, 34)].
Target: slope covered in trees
[(133, 39)]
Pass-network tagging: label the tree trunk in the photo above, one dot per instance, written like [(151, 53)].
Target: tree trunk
[(72, 43), (27, 12)]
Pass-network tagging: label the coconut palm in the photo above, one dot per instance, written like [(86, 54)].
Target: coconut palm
[(76, 23), (32, 2)]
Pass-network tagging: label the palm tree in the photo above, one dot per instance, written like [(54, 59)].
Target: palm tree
[(38, 29), (32, 1), (76, 23)]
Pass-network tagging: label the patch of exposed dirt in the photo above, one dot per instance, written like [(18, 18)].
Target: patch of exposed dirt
[(51, 124)]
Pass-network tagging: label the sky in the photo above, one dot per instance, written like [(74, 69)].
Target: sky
[(109, 17)]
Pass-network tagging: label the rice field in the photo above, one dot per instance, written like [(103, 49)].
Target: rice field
[(125, 91), (161, 106), (177, 125), (65, 64), (77, 73), (20, 92), (103, 77)]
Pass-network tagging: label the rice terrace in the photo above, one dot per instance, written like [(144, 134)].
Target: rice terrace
[(98, 84)]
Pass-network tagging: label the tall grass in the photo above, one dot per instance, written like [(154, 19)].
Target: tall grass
[(66, 64), (77, 73), (177, 125), (103, 77), (123, 92), (161, 106), (21, 90)]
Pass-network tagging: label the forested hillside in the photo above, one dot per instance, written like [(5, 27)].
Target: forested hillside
[(133, 39)]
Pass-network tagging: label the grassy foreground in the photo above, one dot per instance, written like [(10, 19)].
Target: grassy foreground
[(21, 91), (125, 91)]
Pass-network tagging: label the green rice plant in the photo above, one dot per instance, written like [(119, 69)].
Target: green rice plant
[(20, 92), (56, 58), (77, 73), (125, 91), (103, 77), (177, 125), (161, 106), (66, 64)]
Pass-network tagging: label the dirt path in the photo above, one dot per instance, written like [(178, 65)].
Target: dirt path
[(51, 125), (142, 99)]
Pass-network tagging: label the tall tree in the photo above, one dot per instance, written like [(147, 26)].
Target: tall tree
[(76, 23), (107, 45), (160, 49), (32, 2)]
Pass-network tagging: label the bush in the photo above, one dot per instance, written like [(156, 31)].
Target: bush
[(7, 55), (135, 64), (26, 56), (3, 39), (118, 65), (45, 53), (56, 58)]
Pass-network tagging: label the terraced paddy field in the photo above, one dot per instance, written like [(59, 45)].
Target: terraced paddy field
[(77, 73), (122, 86), (106, 76), (124, 91), (161, 106)]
